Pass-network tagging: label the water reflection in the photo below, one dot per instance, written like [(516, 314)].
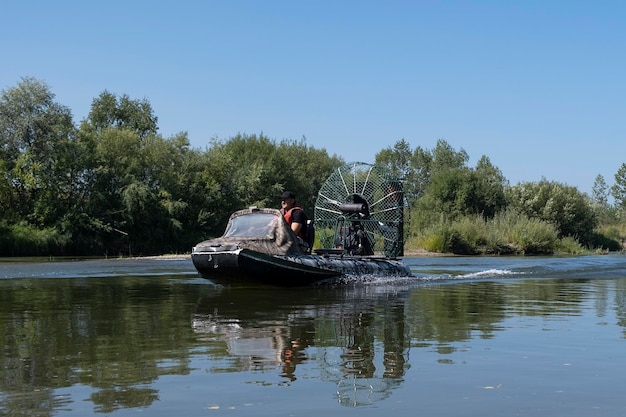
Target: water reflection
[(108, 334), (360, 338), (343, 331), (109, 342)]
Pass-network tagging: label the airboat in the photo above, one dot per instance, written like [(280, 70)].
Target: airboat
[(358, 222)]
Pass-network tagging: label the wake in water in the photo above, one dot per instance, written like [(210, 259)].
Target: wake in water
[(422, 278), (490, 273), (526, 267)]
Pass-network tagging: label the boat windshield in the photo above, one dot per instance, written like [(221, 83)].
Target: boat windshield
[(251, 225)]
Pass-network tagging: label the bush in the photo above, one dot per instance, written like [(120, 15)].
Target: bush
[(468, 235), (432, 243), (459, 244), (608, 240), (570, 246), (23, 239), (567, 209), (529, 236), (461, 237), (508, 233)]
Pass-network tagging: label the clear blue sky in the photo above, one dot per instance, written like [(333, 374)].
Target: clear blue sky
[(537, 86)]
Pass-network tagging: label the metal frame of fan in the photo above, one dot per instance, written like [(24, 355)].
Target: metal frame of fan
[(360, 210)]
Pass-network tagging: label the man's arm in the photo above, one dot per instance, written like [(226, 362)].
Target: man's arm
[(298, 221), (296, 227)]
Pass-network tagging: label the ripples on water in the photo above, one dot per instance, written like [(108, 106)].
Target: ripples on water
[(482, 336), (16, 268)]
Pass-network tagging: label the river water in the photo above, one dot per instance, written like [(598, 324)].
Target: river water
[(484, 336)]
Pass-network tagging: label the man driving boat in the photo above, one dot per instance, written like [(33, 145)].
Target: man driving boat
[(293, 214)]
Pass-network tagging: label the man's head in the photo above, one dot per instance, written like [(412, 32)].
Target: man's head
[(287, 200)]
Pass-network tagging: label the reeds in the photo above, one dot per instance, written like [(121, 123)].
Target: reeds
[(509, 232)]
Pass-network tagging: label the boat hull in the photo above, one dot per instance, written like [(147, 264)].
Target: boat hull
[(243, 266)]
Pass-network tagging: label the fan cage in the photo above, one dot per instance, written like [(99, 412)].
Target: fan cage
[(363, 202)]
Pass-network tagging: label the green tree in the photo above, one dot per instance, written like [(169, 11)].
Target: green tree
[(396, 159), (418, 167), (413, 167), (109, 111), (491, 183), (450, 193), (253, 170), (421, 161), (600, 192), (607, 214), (456, 190), (303, 169), (445, 157), (564, 206), (40, 158), (129, 208), (618, 190)]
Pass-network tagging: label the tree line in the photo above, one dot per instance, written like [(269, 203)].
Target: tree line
[(112, 185)]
